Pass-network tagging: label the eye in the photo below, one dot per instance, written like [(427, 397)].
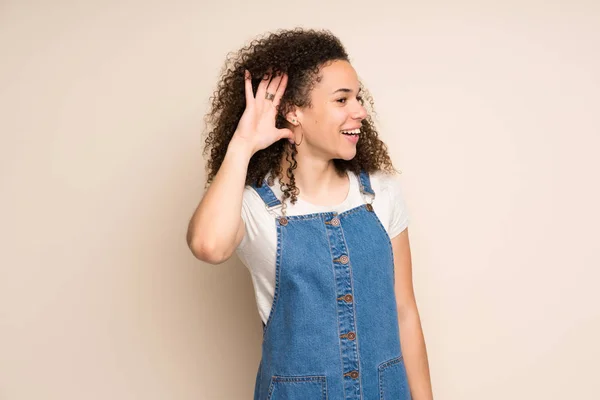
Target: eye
[(344, 100)]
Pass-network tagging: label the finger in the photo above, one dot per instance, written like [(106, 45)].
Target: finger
[(280, 89), (286, 134), (262, 86), (274, 84), (248, 87)]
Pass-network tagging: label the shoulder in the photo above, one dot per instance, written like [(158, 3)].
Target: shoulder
[(250, 195), (254, 215), (253, 206), (385, 182), (389, 201)]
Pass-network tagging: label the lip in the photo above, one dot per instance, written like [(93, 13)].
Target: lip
[(353, 139), (351, 129)]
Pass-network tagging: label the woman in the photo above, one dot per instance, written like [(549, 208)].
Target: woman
[(334, 292)]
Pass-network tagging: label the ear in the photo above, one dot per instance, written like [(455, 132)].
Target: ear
[(292, 117)]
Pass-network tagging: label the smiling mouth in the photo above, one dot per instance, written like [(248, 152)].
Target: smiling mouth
[(353, 132)]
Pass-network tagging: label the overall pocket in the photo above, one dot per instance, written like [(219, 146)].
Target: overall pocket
[(393, 384), (298, 388)]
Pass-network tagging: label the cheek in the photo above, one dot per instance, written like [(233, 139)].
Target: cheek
[(339, 116), (326, 120)]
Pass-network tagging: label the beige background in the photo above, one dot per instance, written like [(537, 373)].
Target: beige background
[(491, 110)]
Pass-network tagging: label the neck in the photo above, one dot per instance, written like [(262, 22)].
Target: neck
[(315, 176)]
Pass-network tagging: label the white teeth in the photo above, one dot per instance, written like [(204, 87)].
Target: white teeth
[(352, 132)]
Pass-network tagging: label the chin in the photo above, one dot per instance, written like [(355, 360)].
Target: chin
[(347, 156)]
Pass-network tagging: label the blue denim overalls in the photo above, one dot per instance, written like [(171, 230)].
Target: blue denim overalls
[(332, 332)]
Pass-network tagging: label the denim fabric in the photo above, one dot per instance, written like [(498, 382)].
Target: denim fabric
[(332, 332)]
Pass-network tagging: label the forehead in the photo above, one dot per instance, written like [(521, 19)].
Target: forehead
[(337, 75)]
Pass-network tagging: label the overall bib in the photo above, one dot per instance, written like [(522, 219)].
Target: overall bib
[(332, 332)]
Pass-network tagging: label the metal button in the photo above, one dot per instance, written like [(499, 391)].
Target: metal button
[(369, 207), (351, 335), (348, 298), (283, 221), (335, 221), (344, 259), (353, 374)]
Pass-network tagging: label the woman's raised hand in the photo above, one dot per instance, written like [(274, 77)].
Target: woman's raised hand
[(257, 125)]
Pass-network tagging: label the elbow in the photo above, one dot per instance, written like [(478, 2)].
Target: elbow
[(206, 251)]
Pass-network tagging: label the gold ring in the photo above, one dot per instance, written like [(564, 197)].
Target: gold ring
[(269, 96)]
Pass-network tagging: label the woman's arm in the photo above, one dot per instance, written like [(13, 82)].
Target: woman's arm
[(411, 333), (216, 228)]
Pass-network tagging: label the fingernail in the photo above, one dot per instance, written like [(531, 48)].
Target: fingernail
[(246, 74), (266, 76)]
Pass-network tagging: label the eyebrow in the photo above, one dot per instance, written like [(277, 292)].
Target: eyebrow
[(345, 90)]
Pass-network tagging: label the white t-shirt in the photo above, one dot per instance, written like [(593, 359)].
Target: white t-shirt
[(258, 247)]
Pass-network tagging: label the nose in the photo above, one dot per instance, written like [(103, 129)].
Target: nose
[(360, 112)]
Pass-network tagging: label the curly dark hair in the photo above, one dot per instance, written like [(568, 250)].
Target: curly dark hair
[(301, 54)]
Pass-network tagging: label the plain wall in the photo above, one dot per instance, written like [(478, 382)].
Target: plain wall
[(490, 109)]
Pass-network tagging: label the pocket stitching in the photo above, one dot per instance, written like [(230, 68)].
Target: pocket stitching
[(382, 367), (299, 379)]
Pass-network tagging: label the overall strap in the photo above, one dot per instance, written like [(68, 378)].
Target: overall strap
[(365, 183), (271, 201), (267, 195)]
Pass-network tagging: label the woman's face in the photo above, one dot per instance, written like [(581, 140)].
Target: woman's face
[(335, 108)]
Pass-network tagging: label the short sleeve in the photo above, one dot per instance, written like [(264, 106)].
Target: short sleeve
[(249, 218), (398, 210)]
